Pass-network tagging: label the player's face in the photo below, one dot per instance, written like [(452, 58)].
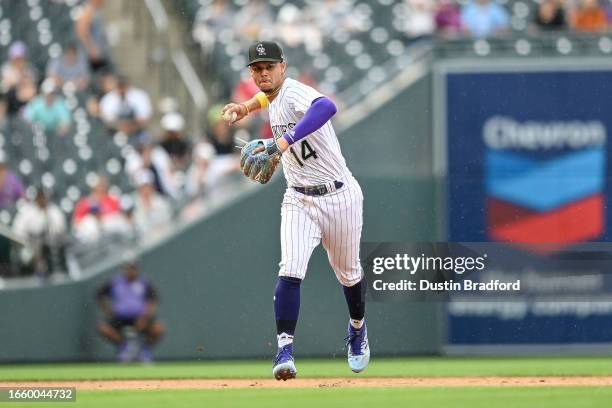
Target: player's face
[(268, 75)]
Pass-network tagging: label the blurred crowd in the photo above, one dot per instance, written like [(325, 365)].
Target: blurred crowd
[(318, 34), (317, 21), (484, 18), (291, 25), (167, 169)]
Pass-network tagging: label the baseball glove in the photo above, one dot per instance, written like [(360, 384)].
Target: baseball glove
[(258, 160)]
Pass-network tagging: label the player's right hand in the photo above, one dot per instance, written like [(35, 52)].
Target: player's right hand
[(232, 107)]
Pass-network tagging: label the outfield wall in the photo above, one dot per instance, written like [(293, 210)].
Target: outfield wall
[(216, 279)]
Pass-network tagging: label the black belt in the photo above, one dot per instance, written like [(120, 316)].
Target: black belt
[(318, 190)]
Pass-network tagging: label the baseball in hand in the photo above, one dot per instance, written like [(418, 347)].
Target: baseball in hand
[(229, 116)]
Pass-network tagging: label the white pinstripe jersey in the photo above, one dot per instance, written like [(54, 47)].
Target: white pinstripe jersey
[(316, 159)]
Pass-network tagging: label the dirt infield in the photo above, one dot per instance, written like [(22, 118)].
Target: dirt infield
[(320, 383)]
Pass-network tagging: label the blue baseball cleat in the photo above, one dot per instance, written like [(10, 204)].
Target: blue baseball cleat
[(284, 366), (358, 348)]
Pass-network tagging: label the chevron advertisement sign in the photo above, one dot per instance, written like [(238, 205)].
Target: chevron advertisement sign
[(528, 156), (528, 164)]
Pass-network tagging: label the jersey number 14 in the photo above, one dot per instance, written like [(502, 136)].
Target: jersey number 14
[(307, 153)]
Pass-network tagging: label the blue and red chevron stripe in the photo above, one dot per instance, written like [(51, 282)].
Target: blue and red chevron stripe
[(558, 200)]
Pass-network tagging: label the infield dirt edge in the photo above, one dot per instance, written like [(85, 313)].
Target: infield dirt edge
[(167, 384)]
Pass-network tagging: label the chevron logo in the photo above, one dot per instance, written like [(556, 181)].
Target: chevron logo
[(556, 200)]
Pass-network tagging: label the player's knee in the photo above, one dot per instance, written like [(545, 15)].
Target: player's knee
[(104, 328), (291, 270), (348, 282), (349, 277), (157, 329), (107, 331)]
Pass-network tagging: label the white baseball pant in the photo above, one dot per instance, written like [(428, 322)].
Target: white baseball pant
[(335, 219)]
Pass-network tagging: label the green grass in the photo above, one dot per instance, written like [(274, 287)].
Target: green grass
[(472, 397), (448, 397), (397, 367)]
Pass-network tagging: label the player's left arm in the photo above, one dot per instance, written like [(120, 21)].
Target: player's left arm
[(318, 114), (150, 307), (151, 301), (259, 157)]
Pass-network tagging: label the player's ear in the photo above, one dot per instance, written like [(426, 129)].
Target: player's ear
[(283, 66)]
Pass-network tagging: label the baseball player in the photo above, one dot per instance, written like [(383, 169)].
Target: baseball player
[(323, 201)]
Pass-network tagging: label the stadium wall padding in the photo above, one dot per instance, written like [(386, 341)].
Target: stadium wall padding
[(216, 279)]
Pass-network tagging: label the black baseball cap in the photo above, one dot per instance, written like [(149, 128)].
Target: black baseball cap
[(265, 51)]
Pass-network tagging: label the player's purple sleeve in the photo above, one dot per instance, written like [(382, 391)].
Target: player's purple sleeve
[(321, 110)]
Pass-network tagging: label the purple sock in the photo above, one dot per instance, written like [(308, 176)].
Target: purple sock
[(287, 304)]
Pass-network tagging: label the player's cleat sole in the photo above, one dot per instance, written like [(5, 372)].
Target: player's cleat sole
[(285, 371)]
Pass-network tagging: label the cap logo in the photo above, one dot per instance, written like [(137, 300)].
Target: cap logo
[(260, 49)]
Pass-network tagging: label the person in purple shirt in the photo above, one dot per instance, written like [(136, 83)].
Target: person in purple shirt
[(129, 301), (11, 187), (448, 18)]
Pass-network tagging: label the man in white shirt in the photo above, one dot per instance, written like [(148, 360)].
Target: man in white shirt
[(42, 225), (126, 109)]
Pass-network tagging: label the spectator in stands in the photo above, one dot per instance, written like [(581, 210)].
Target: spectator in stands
[(254, 20), (17, 67), (91, 31), (173, 140), (332, 15), (129, 302), (550, 15), (294, 27), (417, 18), (484, 18), (103, 83), (18, 83), (210, 22), (226, 159), (199, 177), (290, 26), (72, 66), (48, 109), (106, 82), (18, 97), (244, 90), (149, 156), (42, 225), (151, 210), (99, 214), (589, 15), (448, 18), (11, 186), (219, 134), (126, 109)]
